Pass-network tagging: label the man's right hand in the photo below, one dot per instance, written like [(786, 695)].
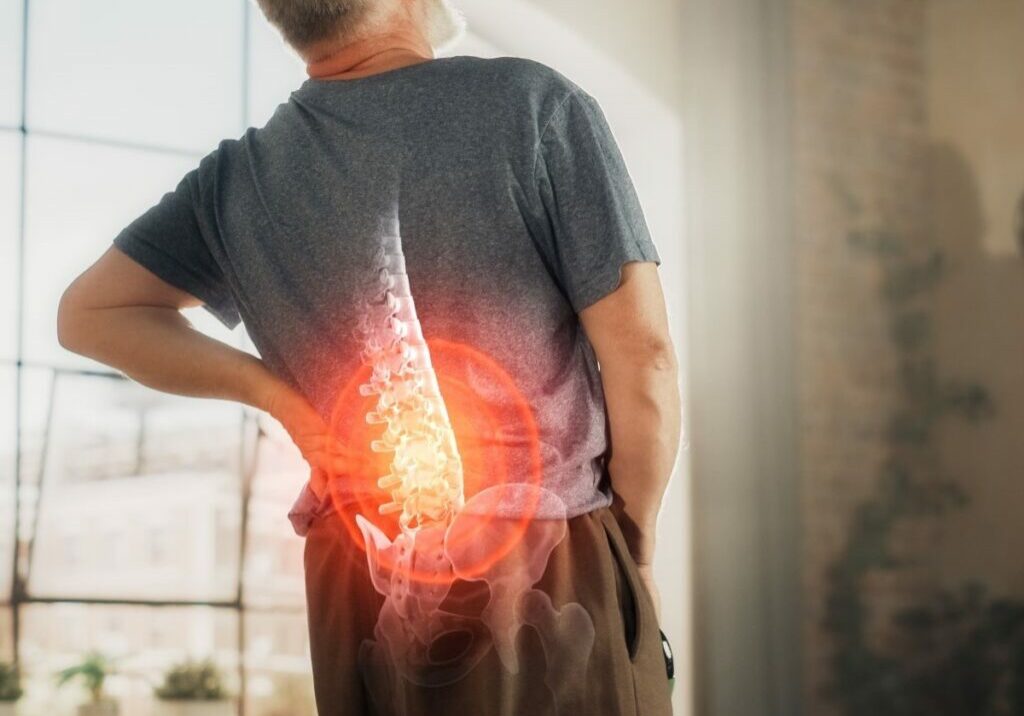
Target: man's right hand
[(629, 331)]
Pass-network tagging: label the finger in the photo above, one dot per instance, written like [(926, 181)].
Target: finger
[(311, 443), (328, 451), (342, 456), (321, 441), (305, 433), (319, 460), (318, 482), (330, 462)]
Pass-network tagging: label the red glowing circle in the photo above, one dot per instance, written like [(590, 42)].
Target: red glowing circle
[(353, 486)]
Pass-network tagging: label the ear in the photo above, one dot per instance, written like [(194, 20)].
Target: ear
[(443, 24)]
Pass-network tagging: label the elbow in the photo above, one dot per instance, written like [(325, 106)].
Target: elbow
[(649, 356), (69, 320), (658, 355), (666, 360)]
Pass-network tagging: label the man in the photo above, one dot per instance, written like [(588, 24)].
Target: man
[(492, 191)]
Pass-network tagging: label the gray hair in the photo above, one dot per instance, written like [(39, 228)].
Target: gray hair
[(304, 22)]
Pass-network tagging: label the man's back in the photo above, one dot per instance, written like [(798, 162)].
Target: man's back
[(414, 246), (515, 213)]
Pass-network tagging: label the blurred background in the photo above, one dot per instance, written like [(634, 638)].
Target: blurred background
[(837, 192)]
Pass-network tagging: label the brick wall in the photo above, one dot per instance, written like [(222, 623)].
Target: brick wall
[(859, 133)]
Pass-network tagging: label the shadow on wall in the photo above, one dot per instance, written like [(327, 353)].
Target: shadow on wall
[(979, 333), (1020, 225), (948, 495)]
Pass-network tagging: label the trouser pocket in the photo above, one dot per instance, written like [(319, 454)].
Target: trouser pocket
[(629, 587), (643, 636)]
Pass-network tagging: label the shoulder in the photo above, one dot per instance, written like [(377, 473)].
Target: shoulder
[(216, 165), (523, 83), (528, 73), (523, 74)]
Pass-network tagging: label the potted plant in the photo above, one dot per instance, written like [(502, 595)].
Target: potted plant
[(10, 689), (193, 688), (92, 671)]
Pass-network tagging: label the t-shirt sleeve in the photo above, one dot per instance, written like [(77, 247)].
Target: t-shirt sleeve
[(595, 216), (173, 240)]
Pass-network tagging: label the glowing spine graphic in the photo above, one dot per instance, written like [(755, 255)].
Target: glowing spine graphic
[(419, 639), (425, 478)]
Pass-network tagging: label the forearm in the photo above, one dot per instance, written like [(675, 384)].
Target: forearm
[(159, 348), (644, 413)]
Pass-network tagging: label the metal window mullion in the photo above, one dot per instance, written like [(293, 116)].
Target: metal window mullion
[(246, 473), (40, 479), (17, 588)]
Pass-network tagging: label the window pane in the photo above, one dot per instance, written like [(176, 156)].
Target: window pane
[(140, 495), (10, 200), (80, 195), (277, 642), (7, 439), (166, 73), (278, 677), (10, 62), (274, 71), (142, 641), (274, 570), (6, 635)]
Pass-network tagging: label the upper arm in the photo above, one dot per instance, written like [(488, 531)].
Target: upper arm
[(115, 281), (629, 326), (602, 249), (595, 224), (161, 259), (171, 255)]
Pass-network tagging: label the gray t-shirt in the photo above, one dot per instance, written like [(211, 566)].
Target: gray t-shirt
[(516, 211)]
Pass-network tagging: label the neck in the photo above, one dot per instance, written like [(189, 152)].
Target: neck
[(378, 53)]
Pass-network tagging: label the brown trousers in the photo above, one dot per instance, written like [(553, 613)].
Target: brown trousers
[(625, 674)]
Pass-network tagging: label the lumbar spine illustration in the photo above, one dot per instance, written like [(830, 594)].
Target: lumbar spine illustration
[(425, 480)]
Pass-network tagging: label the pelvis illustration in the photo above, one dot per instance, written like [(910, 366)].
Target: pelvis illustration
[(422, 636)]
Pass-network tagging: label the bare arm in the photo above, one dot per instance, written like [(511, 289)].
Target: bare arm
[(629, 331), (121, 314)]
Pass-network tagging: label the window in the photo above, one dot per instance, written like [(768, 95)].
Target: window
[(10, 201), (119, 71), (130, 503), (78, 195), (10, 64)]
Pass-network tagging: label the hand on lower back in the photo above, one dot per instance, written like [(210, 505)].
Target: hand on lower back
[(309, 432)]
